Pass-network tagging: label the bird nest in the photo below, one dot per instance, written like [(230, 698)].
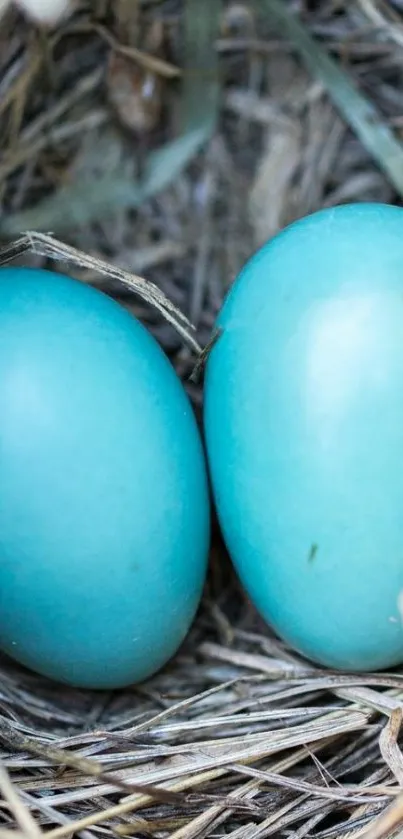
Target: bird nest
[(168, 140)]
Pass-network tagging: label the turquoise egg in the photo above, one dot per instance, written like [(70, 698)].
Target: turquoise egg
[(304, 431), (104, 511)]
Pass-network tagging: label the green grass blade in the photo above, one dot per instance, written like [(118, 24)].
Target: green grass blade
[(362, 116)]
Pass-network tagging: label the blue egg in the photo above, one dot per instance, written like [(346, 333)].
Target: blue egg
[(304, 431), (104, 510)]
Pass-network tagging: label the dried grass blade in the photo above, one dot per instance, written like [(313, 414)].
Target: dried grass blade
[(386, 824), (48, 246), (19, 809), (388, 744)]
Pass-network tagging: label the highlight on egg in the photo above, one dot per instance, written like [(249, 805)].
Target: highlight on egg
[(304, 433), (104, 513)]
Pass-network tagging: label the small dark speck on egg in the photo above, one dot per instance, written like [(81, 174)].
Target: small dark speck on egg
[(313, 550)]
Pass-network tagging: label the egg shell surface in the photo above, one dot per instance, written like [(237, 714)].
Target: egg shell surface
[(304, 432), (104, 510)]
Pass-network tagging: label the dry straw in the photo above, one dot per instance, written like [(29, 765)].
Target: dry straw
[(221, 138)]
